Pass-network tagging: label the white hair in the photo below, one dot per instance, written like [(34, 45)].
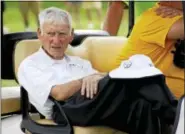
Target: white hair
[(56, 16)]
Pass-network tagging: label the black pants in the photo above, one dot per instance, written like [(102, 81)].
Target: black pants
[(119, 104)]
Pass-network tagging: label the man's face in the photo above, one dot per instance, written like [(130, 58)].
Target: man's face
[(55, 39)]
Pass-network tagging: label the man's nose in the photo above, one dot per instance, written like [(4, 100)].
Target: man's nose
[(56, 39)]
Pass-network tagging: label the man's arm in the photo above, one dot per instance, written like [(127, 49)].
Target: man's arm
[(40, 85), (177, 30), (158, 29), (87, 85), (64, 91), (113, 17), (173, 8)]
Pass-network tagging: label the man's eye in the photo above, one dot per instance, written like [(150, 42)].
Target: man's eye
[(51, 33), (62, 34)]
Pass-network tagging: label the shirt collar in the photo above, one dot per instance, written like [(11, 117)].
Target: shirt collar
[(47, 59)]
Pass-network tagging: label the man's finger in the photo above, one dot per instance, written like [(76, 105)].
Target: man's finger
[(158, 11), (92, 90), (95, 87), (83, 88), (161, 8), (173, 15), (166, 14), (87, 89)]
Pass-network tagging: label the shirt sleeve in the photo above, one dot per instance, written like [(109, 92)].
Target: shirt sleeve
[(154, 28), (37, 83)]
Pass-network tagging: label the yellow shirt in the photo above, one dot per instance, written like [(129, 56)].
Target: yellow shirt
[(149, 37)]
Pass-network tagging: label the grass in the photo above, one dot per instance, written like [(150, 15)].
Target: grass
[(12, 19), (8, 83)]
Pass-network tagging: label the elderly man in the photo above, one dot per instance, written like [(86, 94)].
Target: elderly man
[(91, 98), (50, 69), (156, 37)]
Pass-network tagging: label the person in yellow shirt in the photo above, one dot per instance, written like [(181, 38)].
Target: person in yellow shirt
[(155, 37), (116, 11)]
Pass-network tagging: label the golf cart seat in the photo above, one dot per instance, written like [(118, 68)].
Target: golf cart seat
[(94, 49), (10, 100)]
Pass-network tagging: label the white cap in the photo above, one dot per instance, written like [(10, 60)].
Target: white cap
[(137, 66)]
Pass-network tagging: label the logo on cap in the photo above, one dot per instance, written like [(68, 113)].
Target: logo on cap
[(127, 64)]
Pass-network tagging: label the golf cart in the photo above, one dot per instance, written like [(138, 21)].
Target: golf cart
[(90, 48)]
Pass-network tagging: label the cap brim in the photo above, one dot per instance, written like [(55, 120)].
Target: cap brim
[(130, 73)]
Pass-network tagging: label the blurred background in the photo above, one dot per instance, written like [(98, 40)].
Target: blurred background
[(86, 15)]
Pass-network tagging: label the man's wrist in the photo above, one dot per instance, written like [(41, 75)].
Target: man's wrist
[(80, 81), (102, 74)]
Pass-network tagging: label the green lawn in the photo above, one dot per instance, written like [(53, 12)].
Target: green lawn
[(8, 83), (12, 19)]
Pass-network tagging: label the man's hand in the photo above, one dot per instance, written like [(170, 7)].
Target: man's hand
[(90, 85), (167, 12)]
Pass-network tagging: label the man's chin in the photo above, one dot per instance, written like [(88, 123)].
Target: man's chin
[(57, 57)]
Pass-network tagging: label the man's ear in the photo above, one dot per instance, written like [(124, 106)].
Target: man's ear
[(39, 34), (72, 35)]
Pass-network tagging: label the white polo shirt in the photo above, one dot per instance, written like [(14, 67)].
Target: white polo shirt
[(38, 73)]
